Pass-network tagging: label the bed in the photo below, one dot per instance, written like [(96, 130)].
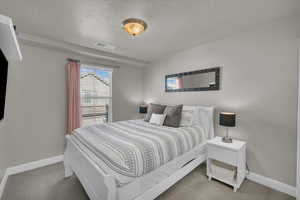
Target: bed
[(135, 160)]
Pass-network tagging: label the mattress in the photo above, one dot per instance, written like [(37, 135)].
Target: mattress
[(134, 148)]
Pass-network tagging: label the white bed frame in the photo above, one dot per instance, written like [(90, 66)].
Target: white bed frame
[(102, 186)]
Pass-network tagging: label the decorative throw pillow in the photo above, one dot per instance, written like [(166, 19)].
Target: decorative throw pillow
[(157, 119), (173, 116), (154, 108)]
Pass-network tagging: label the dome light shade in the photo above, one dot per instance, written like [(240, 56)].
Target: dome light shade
[(134, 26)]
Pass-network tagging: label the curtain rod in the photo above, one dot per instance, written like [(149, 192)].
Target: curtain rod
[(93, 63)]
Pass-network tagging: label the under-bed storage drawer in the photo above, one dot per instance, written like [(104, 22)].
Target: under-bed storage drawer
[(222, 154)]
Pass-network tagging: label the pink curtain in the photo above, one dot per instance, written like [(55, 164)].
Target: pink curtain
[(74, 115)]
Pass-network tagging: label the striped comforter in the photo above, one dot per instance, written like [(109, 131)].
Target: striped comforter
[(133, 148)]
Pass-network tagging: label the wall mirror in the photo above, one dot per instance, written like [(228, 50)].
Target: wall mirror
[(200, 80)]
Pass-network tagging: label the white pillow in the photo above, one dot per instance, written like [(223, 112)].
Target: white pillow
[(157, 119), (188, 116)]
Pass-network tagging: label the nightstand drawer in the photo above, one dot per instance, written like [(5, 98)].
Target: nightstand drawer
[(222, 154)]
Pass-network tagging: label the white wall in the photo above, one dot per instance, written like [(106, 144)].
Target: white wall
[(35, 116), (258, 82), (127, 93)]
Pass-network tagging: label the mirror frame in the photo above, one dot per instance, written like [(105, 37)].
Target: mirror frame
[(215, 87)]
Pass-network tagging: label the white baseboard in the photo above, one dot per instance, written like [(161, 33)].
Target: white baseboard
[(3, 183), (27, 167), (34, 165), (271, 183)]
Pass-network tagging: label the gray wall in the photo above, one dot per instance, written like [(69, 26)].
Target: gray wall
[(259, 83), (2, 150), (35, 116)]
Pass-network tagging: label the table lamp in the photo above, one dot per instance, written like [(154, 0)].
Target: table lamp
[(143, 109), (227, 119)]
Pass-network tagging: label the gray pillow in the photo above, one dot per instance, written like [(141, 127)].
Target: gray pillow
[(173, 116), (154, 108)]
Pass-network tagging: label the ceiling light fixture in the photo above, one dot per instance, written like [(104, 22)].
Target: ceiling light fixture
[(134, 26)]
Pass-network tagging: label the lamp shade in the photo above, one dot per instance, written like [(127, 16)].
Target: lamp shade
[(227, 119), (143, 109)]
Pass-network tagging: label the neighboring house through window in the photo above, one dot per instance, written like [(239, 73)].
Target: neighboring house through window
[(96, 95)]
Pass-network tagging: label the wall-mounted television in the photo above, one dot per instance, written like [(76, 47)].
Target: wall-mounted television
[(3, 82)]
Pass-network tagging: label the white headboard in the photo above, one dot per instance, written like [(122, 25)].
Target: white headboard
[(206, 119)]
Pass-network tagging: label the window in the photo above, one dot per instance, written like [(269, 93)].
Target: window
[(96, 95)]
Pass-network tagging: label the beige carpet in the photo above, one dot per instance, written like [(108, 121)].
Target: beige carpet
[(48, 183)]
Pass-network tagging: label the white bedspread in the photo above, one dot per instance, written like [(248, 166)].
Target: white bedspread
[(134, 148)]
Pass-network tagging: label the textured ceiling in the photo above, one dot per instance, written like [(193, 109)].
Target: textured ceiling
[(172, 24)]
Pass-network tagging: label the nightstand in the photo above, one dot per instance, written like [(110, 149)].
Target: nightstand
[(232, 155)]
